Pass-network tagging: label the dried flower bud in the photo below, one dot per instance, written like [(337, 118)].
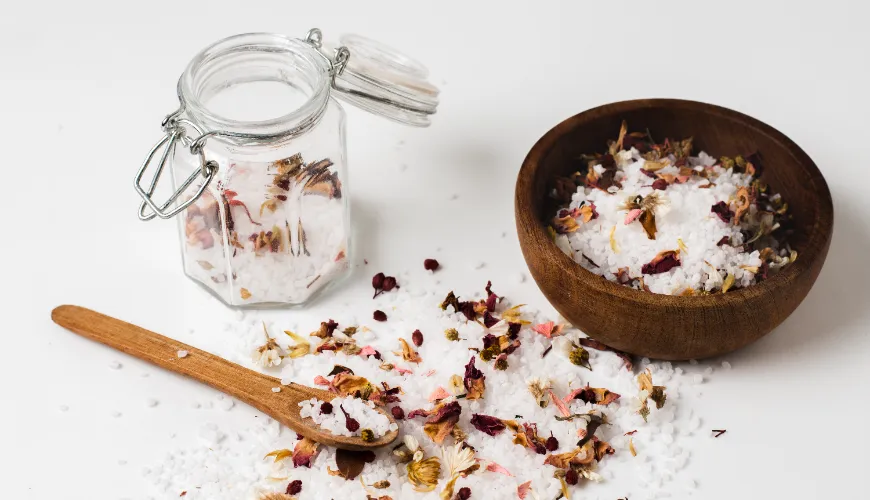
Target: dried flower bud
[(398, 413), (378, 281), (660, 184), (552, 443), (501, 362), (326, 408), (580, 357), (571, 477), (367, 435), (490, 353), (380, 315), (390, 283), (381, 484), (464, 493), (430, 264), (349, 422), (417, 337), (452, 334), (295, 487)]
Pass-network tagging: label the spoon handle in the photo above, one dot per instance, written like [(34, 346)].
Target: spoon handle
[(246, 385)]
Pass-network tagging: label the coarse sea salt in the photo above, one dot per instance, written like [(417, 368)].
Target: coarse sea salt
[(229, 465), (362, 411), (615, 244)]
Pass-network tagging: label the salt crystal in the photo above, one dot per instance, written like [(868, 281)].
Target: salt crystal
[(276, 389), (726, 365), (708, 370), (697, 378), (182, 354), (115, 365)]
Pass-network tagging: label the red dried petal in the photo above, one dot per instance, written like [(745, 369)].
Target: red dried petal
[(660, 184), (430, 264), (552, 443), (464, 493), (486, 424), (722, 210), (398, 413), (726, 240), (326, 408), (571, 477), (378, 281), (662, 263), (489, 320), (648, 173), (379, 315)]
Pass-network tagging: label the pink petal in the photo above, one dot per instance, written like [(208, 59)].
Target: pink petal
[(523, 489), (367, 351), (683, 178), (403, 371), (439, 393), (581, 433), (429, 373), (319, 380), (632, 215), (573, 394), (545, 329), (494, 467), (559, 404)]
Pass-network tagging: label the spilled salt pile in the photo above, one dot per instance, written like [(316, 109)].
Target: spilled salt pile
[(336, 422)]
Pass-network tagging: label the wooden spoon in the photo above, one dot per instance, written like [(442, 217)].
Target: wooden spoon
[(246, 385)]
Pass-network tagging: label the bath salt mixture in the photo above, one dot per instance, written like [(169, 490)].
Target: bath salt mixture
[(654, 217), (268, 233), (492, 399), (338, 416)]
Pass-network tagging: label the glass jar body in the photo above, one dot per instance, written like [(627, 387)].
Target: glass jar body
[(273, 228)]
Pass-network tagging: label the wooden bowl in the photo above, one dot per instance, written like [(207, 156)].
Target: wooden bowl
[(665, 326)]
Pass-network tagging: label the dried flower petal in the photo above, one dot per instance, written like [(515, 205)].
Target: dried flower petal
[(352, 385), (613, 245), (722, 211), (438, 394), (662, 262), (631, 447), (548, 329), (430, 264), (304, 452), (474, 381), (245, 293), (379, 315), (301, 348), (398, 413), (279, 455), (559, 404), (351, 463), (494, 467), (408, 354), (487, 424), (350, 423)]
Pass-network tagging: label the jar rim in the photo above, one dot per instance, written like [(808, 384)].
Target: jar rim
[(309, 61)]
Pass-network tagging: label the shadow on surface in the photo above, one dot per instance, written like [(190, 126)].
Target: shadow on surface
[(838, 301)]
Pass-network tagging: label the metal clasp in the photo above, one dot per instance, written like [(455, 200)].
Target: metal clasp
[(174, 133)]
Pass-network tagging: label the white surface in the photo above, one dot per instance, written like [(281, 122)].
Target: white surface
[(83, 87)]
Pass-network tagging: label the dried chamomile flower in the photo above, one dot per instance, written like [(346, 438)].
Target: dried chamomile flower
[(367, 435), (538, 388), (422, 472), (501, 362), (268, 354), (579, 356), (457, 385), (451, 334), (459, 461)]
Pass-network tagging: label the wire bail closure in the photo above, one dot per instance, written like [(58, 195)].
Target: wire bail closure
[(174, 132)]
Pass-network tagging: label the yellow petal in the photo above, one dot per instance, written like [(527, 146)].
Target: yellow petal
[(729, 282), (279, 455), (613, 245), (682, 245), (631, 447)]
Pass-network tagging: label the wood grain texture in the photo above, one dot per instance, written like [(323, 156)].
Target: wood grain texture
[(241, 383), (662, 326)]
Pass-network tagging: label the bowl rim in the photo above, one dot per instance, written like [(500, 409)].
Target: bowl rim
[(818, 235)]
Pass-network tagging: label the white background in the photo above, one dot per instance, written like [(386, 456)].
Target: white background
[(84, 85)]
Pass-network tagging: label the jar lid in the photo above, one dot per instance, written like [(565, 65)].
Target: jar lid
[(384, 81)]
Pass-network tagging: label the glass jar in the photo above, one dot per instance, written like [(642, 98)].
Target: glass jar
[(260, 182)]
